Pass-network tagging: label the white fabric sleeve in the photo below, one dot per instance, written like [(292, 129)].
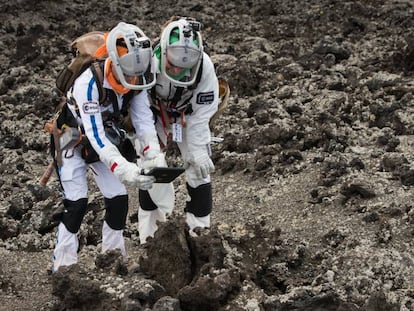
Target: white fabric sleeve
[(143, 121), (204, 104), (85, 93), (141, 116)]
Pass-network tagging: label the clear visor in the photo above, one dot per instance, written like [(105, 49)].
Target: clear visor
[(183, 56), (135, 63), (136, 82), (135, 69)]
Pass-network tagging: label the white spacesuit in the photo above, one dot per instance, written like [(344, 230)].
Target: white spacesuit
[(184, 99), (126, 75)]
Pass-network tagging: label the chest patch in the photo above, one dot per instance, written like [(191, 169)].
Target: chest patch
[(205, 98), (90, 107)]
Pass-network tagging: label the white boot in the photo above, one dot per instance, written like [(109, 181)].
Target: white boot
[(147, 223), (66, 249), (112, 239), (195, 222)]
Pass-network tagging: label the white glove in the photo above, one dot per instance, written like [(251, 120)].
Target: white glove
[(149, 145), (157, 161), (150, 152), (128, 173), (201, 162)]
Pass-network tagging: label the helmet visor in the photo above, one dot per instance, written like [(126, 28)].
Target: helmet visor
[(183, 56), (135, 63)]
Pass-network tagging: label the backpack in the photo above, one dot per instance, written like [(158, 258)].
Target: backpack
[(224, 94), (83, 50)]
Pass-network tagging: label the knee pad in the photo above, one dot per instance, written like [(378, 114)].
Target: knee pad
[(116, 211), (201, 201), (145, 201), (73, 214)]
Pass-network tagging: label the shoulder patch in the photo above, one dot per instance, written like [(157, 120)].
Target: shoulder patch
[(90, 107), (205, 98)]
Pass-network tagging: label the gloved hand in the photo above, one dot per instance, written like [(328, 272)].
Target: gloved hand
[(150, 152), (157, 161), (200, 160), (149, 145), (128, 173)]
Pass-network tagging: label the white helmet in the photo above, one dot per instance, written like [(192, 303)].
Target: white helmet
[(137, 61), (182, 46)]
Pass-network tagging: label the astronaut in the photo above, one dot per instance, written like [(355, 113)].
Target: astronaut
[(184, 100), (127, 76)]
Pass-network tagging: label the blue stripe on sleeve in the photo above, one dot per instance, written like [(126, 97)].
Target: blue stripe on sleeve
[(95, 132), (90, 87), (92, 117)]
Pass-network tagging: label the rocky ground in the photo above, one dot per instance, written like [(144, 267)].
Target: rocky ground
[(314, 184)]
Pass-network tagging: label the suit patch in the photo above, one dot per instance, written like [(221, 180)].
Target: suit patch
[(90, 107), (205, 98)]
